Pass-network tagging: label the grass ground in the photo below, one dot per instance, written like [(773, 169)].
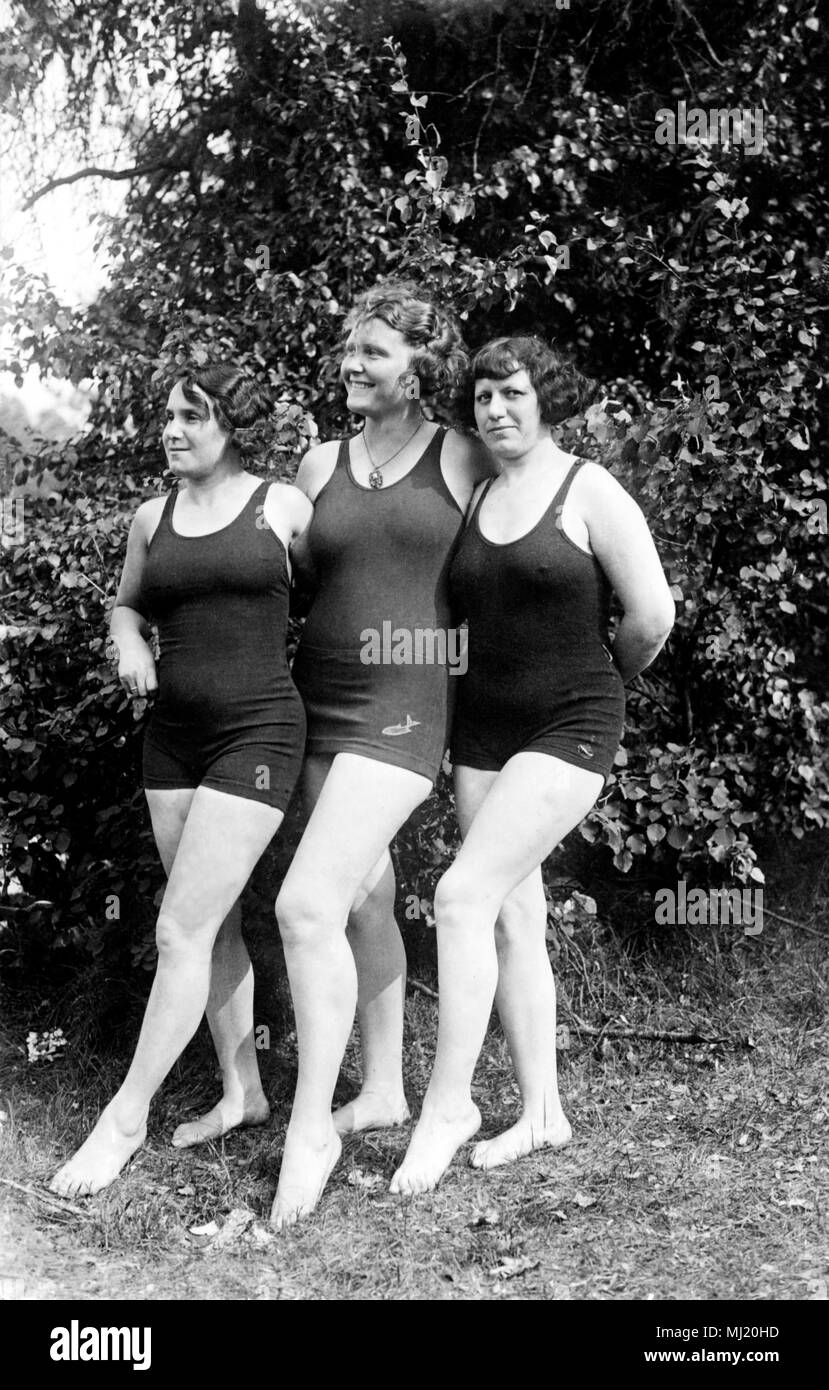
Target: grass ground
[(697, 1171)]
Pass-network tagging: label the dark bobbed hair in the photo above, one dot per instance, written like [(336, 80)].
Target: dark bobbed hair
[(241, 406), (561, 388), (439, 358)]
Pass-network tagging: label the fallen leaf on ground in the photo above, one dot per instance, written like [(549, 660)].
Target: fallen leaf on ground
[(490, 1217), (235, 1223), (513, 1265), (357, 1178), (211, 1229)]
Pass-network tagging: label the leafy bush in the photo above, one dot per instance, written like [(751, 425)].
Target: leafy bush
[(499, 156)]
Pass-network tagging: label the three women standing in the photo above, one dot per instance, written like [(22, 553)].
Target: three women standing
[(537, 727)]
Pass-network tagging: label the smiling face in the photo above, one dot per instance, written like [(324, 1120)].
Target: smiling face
[(508, 416), (193, 440), (376, 368)]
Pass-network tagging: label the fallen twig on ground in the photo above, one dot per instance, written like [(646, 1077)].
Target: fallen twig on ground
[(790, 922), (424, 989), (59, 1202), (648, 1034)]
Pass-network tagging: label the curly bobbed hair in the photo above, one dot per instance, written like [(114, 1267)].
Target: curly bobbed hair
[(561, 388), (439, 357), (241, 406)]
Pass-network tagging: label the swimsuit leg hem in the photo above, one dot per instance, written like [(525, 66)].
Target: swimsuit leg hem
[(377, 755), (277, 798)]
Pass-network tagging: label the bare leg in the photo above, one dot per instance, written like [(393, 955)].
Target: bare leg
[(526, 1002), (380, 958), (230, 1002), (528, 808), (361, 806), (525, 999), (230, 1018), (222, 839)]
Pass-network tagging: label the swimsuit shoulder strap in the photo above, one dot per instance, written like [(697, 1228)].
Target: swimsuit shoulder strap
[(474, 507), (166, 518), (429, 465), (431, 454), (257, 494), (557, 505)]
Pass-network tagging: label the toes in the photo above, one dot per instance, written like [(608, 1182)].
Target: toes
[(405, 1185), (63, 1186), (284, 1220), (483, 1156), (187, 1136)]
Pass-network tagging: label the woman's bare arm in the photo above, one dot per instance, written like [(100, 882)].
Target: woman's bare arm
[(128, 627), (623, 545)]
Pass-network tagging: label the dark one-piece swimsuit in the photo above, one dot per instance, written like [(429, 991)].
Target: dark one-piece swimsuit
[(227, 714), (374, 661), (540, 675)]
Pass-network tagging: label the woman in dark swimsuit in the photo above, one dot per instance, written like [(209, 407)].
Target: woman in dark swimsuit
[(538, 724), (223, 748), (389, 504)]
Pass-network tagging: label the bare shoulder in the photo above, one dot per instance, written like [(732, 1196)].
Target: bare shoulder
[(466, 452), (595, 487), (464, 463), (147, 517), (288, 501), (316, 468)]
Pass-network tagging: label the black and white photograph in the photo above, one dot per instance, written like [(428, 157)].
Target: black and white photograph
[(414, 663)]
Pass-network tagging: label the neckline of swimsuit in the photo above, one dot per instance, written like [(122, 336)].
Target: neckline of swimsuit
[(562, 488), (205, 535), (440, 433)]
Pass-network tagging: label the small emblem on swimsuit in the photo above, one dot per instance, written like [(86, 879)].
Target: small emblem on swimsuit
[(585, 750), (394, 729)]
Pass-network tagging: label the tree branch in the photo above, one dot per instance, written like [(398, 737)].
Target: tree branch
[(93, 172), (650, 1034), (488, 111), (58, 1203), (531, 79), (683, 8), (790, 922), (424, 989)]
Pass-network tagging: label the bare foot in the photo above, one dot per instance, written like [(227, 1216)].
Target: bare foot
[(306, 1168), (228, 1114), (522, 1139), (371, 1110), (434, 1144), (100, 1159)]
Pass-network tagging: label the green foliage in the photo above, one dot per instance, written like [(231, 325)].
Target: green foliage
[(506, 157)]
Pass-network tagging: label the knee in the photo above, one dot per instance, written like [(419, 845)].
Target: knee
[(456, 896), (175, 937), (301, 916), (518, 920)]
